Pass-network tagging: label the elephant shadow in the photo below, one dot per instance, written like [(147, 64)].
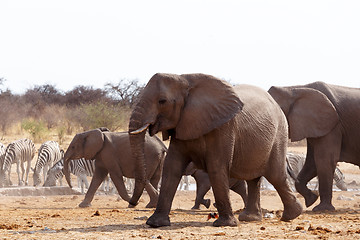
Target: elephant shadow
[(338, 211)]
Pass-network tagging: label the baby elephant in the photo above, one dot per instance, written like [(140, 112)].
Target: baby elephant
[(203, 185), (112, 154)]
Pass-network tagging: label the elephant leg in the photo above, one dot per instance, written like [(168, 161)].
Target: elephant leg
[(307, 173), (325, 161), (174, 165), (153, 194), (217, 166), (252, 211), (239, 186), (278, 178), (99, 176), (292, 207), (155, 179), (152, 188), (202, 187), (118, 181)]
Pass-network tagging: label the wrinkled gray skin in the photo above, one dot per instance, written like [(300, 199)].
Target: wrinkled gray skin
[(203, 185), (328, 117), (229, 132), (112, 154)]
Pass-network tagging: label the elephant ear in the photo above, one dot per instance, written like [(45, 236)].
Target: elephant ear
[(93, 143), (311, 115), (210, 103)]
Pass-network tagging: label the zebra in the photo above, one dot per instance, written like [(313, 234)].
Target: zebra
[(79, 167), (2, 156), (49, 153), (18, 152), (295, 162)]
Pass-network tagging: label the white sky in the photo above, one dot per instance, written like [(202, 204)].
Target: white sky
[(260, 42)]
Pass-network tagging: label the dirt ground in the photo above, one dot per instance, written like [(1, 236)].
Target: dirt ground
[(54, 214)]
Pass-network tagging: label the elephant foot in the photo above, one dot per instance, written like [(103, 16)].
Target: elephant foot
[(324, 207), (131, 205), (151, 205), (206, 203), (84, 204), (196, 207), (250, 217), (225, 221), (292, 212), (311, 198), (158, 220)]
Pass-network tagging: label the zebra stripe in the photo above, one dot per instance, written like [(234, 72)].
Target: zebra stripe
[(79, 167), (2, 154), (49, 153), (295, 162), (18, 152)]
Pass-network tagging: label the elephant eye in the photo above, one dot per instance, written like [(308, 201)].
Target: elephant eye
[(162, 101)]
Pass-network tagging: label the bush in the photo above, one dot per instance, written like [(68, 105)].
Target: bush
[(94, 115), (61, 132), (37, 129)]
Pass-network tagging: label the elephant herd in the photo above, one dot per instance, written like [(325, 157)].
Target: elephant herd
[(226, 137), (234, 134)]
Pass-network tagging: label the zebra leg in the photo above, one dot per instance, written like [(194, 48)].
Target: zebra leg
[(8, 180), (98, 178), (83, 182), (27, 172), (45, 170), (60, 180), (18, 173)]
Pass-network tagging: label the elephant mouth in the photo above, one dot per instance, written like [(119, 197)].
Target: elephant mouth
[(153, 129)]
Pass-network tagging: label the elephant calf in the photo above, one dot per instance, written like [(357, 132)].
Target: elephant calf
[(203, 185), (112, 154)]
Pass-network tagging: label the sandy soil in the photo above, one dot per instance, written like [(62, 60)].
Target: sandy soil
[(51, 216)]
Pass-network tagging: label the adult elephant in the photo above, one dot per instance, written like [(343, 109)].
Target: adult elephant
[(328, 117), (229, 132), (112, 154), (203, 185)]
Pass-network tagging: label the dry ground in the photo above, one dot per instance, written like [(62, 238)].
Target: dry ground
[(57, 217)]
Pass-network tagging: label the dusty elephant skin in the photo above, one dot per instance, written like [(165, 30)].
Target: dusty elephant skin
[(111, 151), (328, 117), (239, 132)]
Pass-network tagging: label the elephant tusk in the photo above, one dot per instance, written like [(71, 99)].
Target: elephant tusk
[(140, 130)]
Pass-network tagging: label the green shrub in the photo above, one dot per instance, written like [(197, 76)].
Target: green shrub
[(100, 114), (61, 133), (37, 129)]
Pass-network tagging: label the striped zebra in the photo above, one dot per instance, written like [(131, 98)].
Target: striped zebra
[(2, 156), (49, 153), (295, 162), (79, 167), (18, 152)]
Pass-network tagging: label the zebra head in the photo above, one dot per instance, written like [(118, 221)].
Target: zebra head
[(36, 178)]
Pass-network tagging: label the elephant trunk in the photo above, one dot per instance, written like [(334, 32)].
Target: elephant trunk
[(67, 171), (137, 132), (137, 147)]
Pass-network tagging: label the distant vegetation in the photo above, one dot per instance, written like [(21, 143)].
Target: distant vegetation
[(44, 110)]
